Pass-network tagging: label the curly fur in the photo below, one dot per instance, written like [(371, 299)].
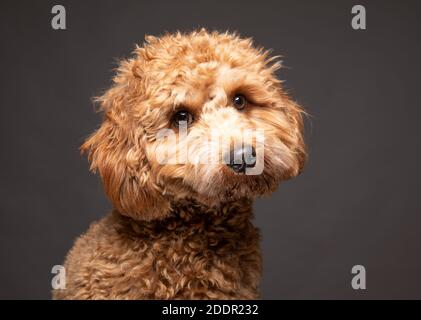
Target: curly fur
[(183, 230)]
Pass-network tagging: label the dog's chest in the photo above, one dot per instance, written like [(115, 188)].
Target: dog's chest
[(197, 256)]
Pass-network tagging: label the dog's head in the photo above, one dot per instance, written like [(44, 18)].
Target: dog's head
[(199, 115)]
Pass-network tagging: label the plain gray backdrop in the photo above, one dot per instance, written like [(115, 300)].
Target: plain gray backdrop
[(357, 202)]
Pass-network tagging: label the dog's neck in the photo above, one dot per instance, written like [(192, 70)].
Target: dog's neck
[(188, 213)]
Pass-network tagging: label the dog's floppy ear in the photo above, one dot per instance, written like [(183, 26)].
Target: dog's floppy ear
[(295, 115), (116, 151)]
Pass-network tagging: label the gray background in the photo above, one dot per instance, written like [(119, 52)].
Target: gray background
[(357, 202)]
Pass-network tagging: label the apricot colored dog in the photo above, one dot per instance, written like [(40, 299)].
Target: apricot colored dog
[(181, 228)]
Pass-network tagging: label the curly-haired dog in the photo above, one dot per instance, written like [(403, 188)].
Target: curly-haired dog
[(183, 229)]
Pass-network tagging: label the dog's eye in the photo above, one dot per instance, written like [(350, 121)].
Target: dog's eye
[(181, 117), (239, 101)]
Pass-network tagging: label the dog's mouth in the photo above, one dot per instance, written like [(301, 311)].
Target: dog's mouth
[(248, 185), (230, 188), (227, 183)]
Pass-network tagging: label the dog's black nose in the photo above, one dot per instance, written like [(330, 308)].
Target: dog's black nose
[(242, 158)]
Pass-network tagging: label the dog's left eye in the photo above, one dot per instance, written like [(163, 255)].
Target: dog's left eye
[(181, 117), (239, 101)]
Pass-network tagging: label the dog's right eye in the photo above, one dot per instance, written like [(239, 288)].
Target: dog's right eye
[(182, 117), (239, 101)]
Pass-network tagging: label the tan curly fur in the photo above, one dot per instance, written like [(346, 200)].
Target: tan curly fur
[(183, 231)]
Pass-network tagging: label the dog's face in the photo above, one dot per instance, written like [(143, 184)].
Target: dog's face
[(197, 116)]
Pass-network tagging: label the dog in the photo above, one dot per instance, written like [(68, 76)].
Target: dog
[(183, 229)]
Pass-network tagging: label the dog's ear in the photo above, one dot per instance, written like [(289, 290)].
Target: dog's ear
[(295, 115), (116, 151)]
